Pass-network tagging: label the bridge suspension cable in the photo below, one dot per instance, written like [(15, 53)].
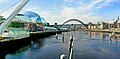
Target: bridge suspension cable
[(9, 7)]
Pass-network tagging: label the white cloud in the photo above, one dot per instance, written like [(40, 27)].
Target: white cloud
[(64, 15), (82, 14), (94, 3), (71, 0), (86, 12), (50, 16), (106, 3), (2, 1), (7, 11)]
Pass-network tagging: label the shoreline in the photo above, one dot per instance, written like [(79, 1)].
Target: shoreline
[(104, 31)]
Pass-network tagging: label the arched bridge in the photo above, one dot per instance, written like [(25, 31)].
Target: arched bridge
[(74, 20)]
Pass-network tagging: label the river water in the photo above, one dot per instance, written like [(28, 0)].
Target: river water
[(87, 45)]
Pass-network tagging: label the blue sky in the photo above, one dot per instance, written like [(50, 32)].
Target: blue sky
[(62, 10)]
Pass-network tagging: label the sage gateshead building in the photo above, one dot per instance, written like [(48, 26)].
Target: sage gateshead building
[(32, 21), (31, 17)]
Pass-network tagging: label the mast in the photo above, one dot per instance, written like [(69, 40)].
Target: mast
[(6, 23)]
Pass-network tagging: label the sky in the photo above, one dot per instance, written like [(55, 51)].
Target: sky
[(59, 11)]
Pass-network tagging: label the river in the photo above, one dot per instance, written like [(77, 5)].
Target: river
[(87, 45)]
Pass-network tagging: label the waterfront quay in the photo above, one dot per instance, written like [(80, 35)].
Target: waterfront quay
[(9, 45), (43, 34), (104, 30)]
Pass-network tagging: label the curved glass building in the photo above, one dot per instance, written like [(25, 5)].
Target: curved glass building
[(33, 22), (22, 18), (34, 17), (43, 21)]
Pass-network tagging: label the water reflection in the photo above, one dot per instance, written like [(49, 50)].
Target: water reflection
[(36, 44), (98, 35), (115, 39), (87, 45), (104, 36), (13, 47), (33, 46)]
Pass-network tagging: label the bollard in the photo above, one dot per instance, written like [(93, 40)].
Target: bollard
[(32, 43), (63, 37), (110, 40), (56, 35), (71, 47), (62, 56)]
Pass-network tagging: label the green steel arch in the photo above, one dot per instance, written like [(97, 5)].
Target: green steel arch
[(74, 20)]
